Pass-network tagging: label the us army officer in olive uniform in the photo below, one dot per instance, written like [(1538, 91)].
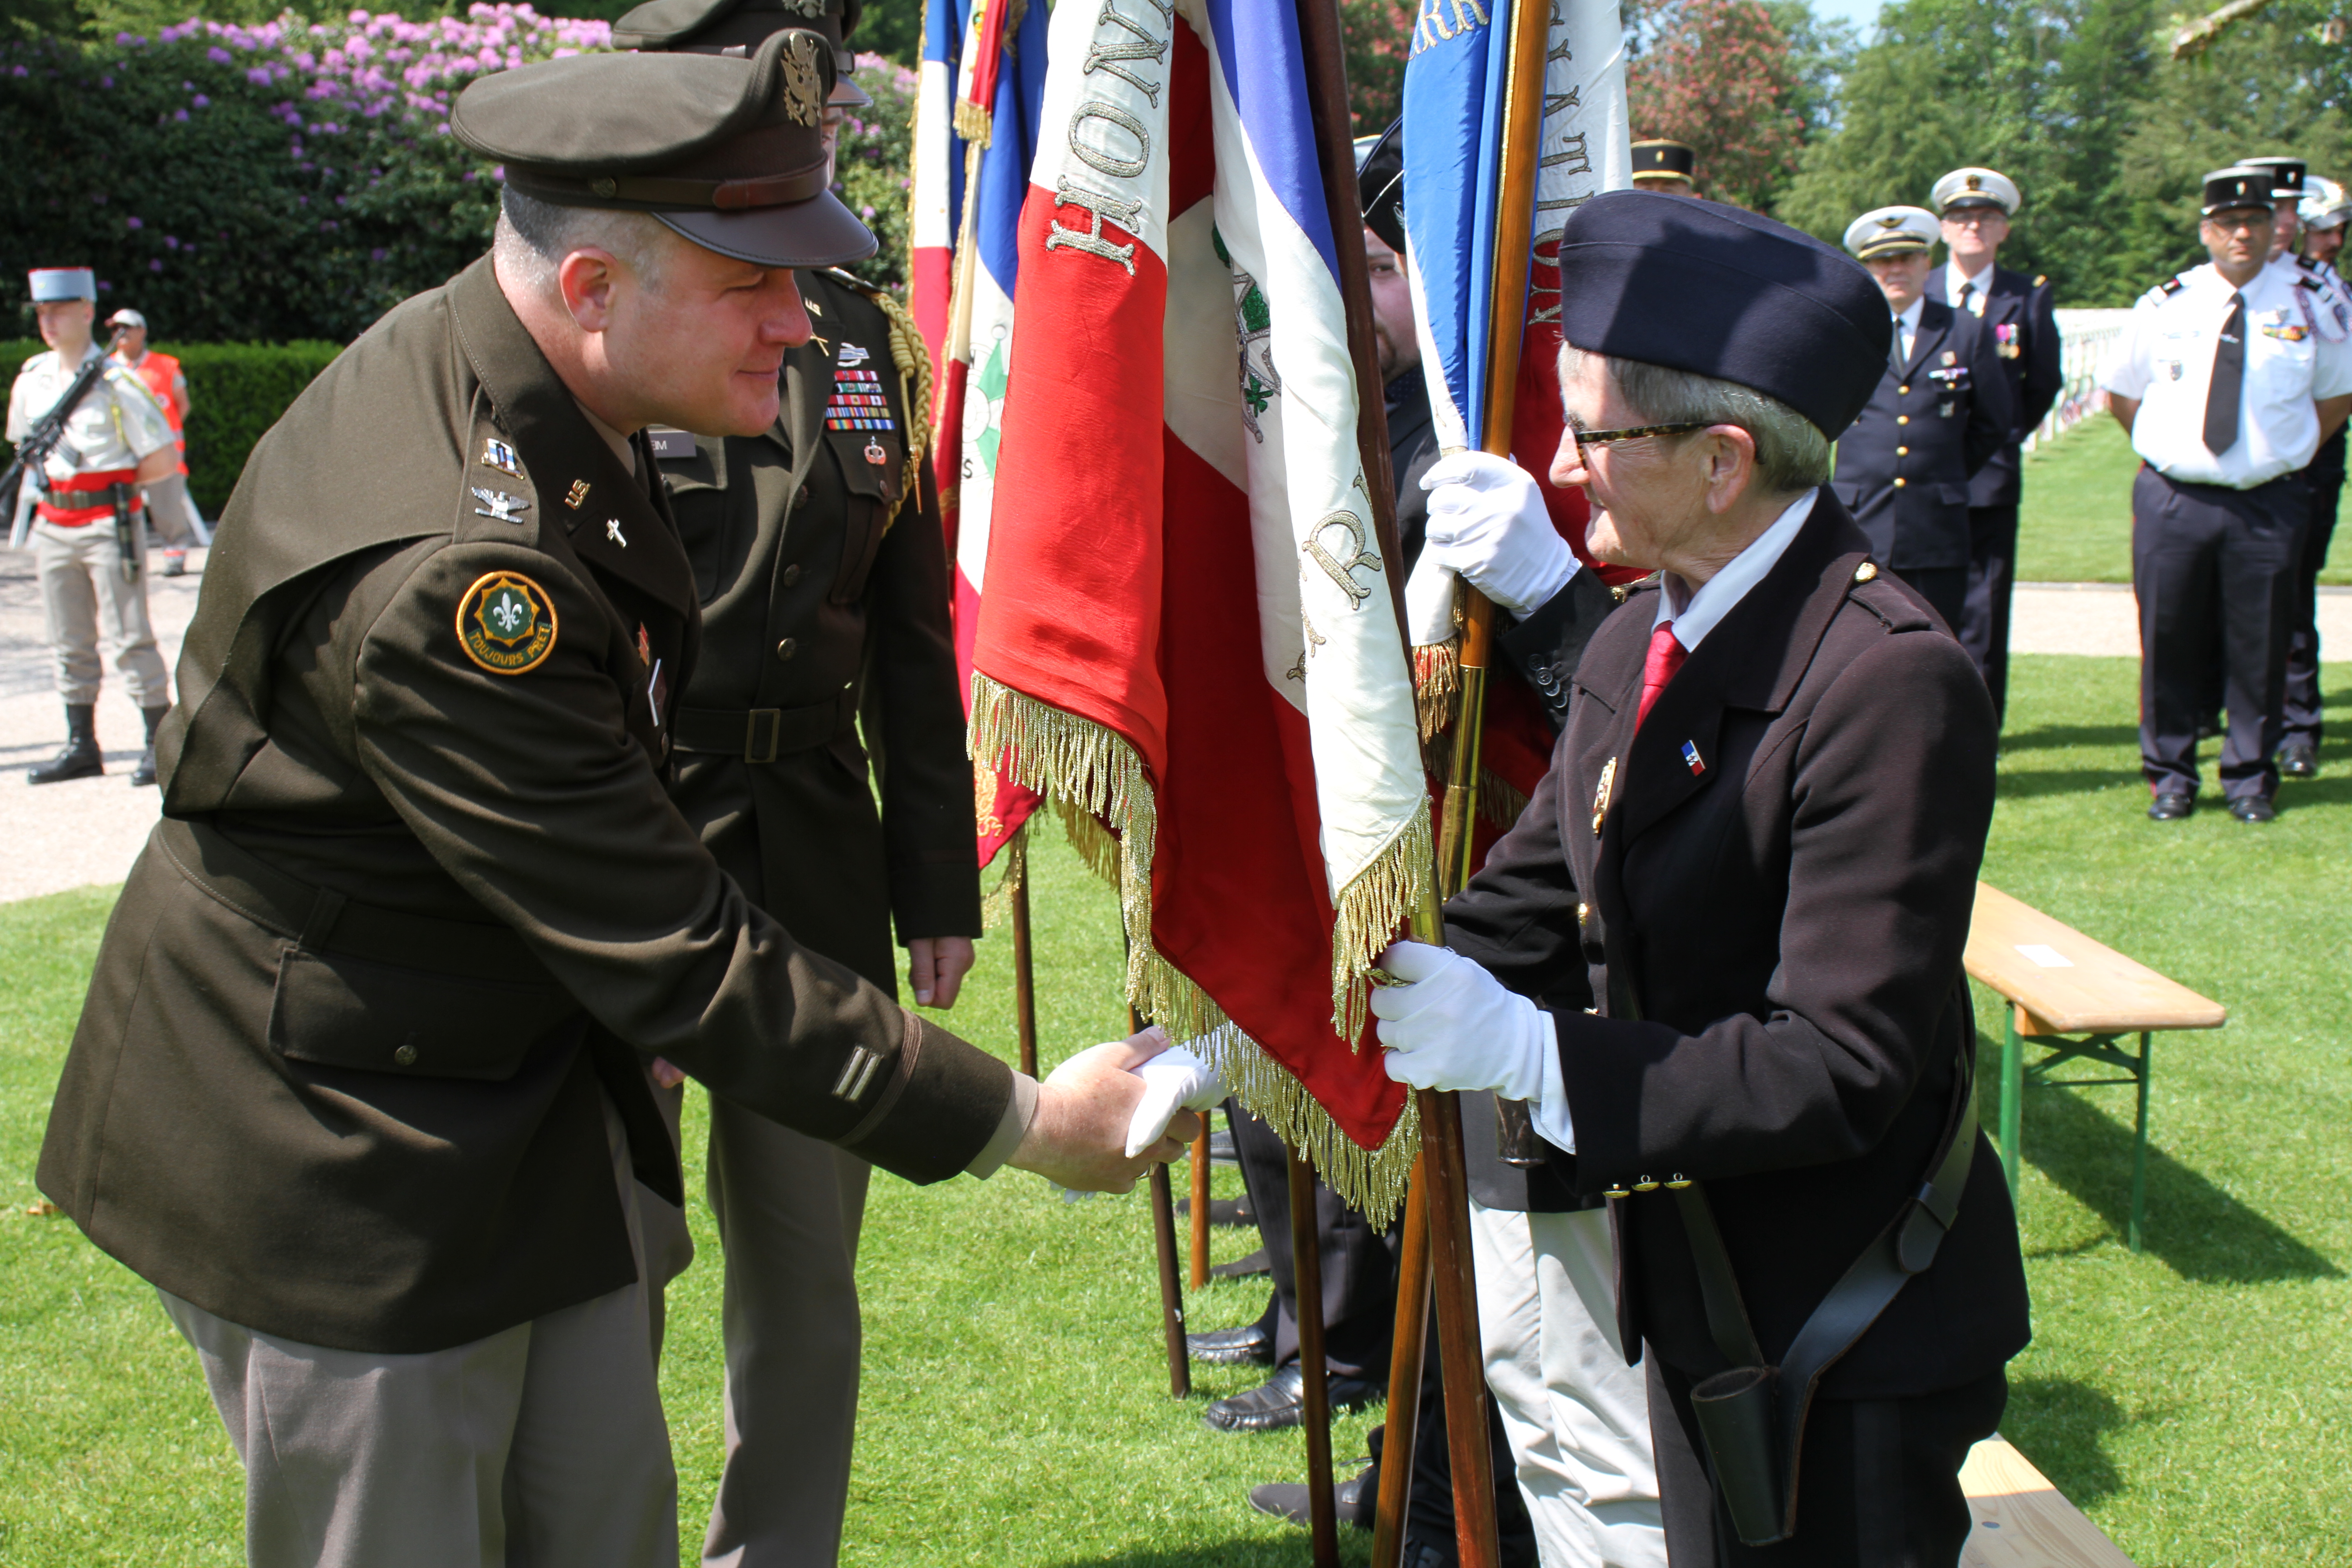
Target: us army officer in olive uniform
[(361, 1084), (821, 564)]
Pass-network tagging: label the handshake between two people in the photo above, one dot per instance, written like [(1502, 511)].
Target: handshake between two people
[(1112, 1111)]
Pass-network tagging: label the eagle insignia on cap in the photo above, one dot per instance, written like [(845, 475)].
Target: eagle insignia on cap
[(804, 84), (505, 623), (1891, 220), (1976, 181)]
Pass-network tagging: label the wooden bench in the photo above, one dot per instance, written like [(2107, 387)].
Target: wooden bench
[(2079, 999), (2021, 1522)]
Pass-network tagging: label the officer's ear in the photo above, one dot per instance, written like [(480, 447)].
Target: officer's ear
[(1728, 452), (589, 280)]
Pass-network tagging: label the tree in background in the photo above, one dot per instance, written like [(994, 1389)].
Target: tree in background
[(1378, 35), (1722, 76), (2048, 91)]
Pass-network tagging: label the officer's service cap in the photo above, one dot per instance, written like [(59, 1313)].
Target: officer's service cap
[(726, 150), (2286, 175), (51, 284), (1724, 292), (1662, 159), (2238, 186), (1964, 188), (1380, 184), (739, 27), (1891, 231), (2323, 203)]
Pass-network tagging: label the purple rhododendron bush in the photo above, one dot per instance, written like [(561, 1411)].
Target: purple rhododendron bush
[(295, 180)]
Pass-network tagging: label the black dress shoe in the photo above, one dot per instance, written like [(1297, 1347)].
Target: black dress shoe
[(2298, 760), (1247, 1267), (1249, 1345), (1351, 1500), (1281, 1401), (2171, 806), (2253, 808), (1233, 1214)]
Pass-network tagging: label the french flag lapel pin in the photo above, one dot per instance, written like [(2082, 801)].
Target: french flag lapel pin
[(1691, 756)]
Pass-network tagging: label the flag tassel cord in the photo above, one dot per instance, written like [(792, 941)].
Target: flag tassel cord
[(1107, 802)]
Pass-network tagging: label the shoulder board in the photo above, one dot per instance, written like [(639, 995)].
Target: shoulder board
[(1878, 594), (2039, 278), (848, 280), (2174, 284)]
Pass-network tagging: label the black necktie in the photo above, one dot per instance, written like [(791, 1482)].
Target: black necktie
[(2222, 394), (1967, 289)]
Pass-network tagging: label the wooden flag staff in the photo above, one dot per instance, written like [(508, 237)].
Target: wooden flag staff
[(1163, 1246), (1024, 965), (1200, 1280)]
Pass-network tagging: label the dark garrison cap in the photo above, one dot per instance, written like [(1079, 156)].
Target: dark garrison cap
[(2287, 176), (726, 150), (2243, 186), (739, 27), (1380, 185), (1663, 159), (1724, 292)]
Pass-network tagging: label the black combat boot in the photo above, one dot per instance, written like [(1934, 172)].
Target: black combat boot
[(79, 760), (145, 774)]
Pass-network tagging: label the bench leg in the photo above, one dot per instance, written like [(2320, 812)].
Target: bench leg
[(2139, 1148), (2013, 1101)]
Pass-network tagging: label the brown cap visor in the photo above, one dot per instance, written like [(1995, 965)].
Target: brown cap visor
[(819, 232)]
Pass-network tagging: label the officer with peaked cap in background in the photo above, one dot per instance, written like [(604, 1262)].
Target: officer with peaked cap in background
[(2230, 378), (89, 542), (1670, 168), (819, 564), (1720, 953), (363, 1083), (2287, 175), (1940, 412), (2323, 213), (1973, 207)]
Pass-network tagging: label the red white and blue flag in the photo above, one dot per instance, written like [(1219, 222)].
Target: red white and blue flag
[(1187, 631)]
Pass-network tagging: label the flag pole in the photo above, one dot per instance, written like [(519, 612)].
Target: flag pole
[(1025, 967), (1201, 1205), (1307, 1278), (1440, 1181), (1163, 1246)]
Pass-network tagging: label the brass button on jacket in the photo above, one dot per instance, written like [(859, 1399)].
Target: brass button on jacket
[(789, 646)]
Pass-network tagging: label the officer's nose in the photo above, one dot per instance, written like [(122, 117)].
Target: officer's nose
[(785, 321)]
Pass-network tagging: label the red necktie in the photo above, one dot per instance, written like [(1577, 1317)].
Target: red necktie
[(1666, 656)]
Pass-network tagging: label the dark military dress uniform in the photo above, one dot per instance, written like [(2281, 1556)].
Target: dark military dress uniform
[(2021, 315), (823, 579), (1904, 467)]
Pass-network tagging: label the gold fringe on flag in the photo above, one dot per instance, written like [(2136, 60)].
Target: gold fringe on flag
[(1498, 802), (1436, 684), (974, 124), (1369, 910), (996, 904), (1106, 803)]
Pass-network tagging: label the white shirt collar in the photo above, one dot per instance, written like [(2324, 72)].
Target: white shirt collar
[(1909, 321), (1719, 594), (1954, 278)]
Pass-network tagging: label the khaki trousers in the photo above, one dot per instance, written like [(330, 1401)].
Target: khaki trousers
[(88, 606), (540, 1447), (788, 1210), (1577, 1416)]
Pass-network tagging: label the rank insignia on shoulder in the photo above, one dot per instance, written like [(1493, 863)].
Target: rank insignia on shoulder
[(1691, 759), (500, 505), (496, 454), (853, 353), (505, 623), (577, 495)]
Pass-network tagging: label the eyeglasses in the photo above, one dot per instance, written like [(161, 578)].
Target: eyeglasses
[(1970, 217), (2246, 222), (1585, 439)]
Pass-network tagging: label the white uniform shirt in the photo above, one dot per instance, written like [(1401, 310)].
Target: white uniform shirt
[(2295, 353), (117, 423), (1906, 327), (1955, 281)]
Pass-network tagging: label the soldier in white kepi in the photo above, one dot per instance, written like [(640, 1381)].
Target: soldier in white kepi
[(90, 537)]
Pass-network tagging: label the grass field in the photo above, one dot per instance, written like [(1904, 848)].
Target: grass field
[(2194, 1398), (2074, 524)]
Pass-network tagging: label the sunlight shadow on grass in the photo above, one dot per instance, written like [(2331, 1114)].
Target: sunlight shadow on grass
[(2063, 1426)]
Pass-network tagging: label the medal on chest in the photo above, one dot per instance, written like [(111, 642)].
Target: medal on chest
[(858, 402), (1601, 795)]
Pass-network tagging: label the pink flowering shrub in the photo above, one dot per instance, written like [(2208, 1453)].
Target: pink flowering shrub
[(295, 180)]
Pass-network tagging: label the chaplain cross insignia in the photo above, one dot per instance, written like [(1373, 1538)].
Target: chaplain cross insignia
[(500, 505), (613, 532)]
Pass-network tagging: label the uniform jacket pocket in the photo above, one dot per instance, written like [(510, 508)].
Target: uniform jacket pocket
[(339, 1011)]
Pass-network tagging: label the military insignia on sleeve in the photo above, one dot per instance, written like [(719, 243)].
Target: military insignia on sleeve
[(500, 505), (505, 623), (858, 403), (496, 454)]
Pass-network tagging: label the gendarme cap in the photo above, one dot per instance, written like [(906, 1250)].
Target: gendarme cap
[(739, 27), (726, 150), (1964, 188), (2286, 175), (1721, 291), (1663, 159), (1380, 185), (2241, 186), (51, 284), (1891, 231)]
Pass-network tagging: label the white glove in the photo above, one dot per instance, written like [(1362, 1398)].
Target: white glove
[(1174, 1080), (1487, 523), (1453, 1026)]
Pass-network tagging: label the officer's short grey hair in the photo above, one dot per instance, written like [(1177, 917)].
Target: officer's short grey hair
[(534, 237), (1792, 453)]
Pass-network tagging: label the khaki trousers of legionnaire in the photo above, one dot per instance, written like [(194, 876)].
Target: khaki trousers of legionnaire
[(1577, 1416), (173, 512), (89, 606), (540, 1447)]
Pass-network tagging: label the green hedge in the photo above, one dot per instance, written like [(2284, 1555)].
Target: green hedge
[(236, 391)]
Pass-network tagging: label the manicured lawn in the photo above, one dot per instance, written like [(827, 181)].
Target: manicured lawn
[(2193, 1398), (2074, 524)]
